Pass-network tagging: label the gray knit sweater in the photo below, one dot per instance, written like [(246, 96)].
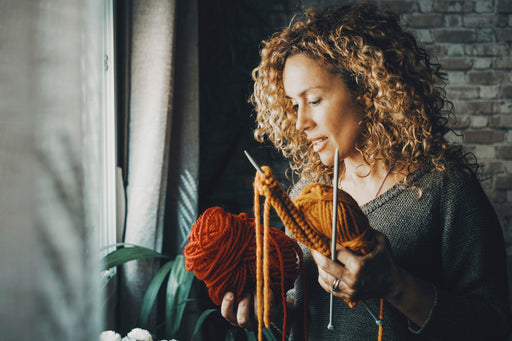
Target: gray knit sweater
[(449, 237)]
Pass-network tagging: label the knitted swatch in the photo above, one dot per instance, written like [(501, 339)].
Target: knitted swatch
[(353, 229)]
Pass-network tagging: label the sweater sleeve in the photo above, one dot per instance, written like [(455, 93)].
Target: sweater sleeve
[(472, 300)]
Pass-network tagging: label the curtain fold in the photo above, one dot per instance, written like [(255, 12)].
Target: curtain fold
[(182, 199), (181, 212), (151, 29), (161, 114)]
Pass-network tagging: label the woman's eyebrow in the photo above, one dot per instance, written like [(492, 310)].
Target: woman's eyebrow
[(305, 91)]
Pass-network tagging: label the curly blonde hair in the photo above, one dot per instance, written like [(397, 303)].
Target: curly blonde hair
[(399, 88)]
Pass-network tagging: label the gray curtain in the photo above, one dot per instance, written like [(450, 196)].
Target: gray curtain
[(161, 116), (50, 81)]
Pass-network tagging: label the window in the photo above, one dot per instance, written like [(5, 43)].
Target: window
[(107, 220)]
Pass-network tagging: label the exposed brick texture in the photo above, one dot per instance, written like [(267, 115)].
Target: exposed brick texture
[(504, 152), (455, 36), (486, 77), (456, 63), (504, 6), (487, 49), (425, 20), (501, 121), (484, 136), (399, 6), (453, 6), (506, 91), (503, 63), (482, 107), (473, 44), (462, 92), (504, 182)]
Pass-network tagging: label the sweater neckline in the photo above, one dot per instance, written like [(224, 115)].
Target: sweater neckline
[(397, 188)]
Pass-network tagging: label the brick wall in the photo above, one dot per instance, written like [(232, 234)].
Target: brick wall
[(472, 40)]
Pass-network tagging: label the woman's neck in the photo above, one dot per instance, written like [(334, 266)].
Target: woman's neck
[(365, 182)]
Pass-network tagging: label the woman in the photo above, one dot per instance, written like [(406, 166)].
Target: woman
[(349, 77)]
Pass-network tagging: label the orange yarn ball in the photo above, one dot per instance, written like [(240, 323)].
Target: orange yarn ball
[(222, 253), (353, 229)]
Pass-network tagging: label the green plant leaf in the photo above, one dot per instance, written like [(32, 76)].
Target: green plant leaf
[(250, 336), (201, 319), (269, 335), (126, 254), (151, 293), (116, 245), (232, 333), (178, 289)]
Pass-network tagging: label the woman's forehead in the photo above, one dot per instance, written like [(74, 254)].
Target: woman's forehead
[(303, 74)]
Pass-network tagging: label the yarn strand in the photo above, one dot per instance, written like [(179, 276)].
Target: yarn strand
[(259, 268), (292, 218), (262, 269), (381, 317), (266, 275)]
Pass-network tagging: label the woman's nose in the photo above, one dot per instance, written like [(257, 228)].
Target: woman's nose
[(304, 122)]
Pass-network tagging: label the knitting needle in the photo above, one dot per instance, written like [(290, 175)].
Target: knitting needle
[(330, 326), (253, 162)]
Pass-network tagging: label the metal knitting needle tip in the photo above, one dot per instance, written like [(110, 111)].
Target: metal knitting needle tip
[(330, 326), (378, 321), (334, 204), (253, 162)]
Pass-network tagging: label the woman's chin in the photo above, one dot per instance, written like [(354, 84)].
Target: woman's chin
[(327, 160)]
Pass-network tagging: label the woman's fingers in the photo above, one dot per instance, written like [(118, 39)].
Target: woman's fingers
[(326, 264), (240, 315), (353, 272), (332, 276), (227, 308), (381, 245), (245, 316), (348, 258), (360, 277)]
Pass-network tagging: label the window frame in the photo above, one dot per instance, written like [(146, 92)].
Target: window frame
[(108, 208)]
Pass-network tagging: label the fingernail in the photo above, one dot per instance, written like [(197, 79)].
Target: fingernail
[(229, 296)]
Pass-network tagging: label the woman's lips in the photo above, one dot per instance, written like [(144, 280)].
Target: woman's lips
[(319, 144)]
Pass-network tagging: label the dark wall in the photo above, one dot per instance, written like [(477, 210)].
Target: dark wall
[(230, 33)]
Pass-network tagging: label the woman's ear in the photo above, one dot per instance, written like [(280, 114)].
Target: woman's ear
[(366, 101)]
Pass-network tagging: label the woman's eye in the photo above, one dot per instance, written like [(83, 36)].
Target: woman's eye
[(315, 102)]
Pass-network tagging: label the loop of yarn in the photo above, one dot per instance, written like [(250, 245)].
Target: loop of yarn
[(222, 251), (266, 185), (353, 229)]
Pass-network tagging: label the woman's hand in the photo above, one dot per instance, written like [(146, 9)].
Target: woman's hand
[(375, 276), (356, 278), (244, 314)]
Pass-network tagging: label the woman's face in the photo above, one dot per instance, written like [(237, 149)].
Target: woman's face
[(326, 111)]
